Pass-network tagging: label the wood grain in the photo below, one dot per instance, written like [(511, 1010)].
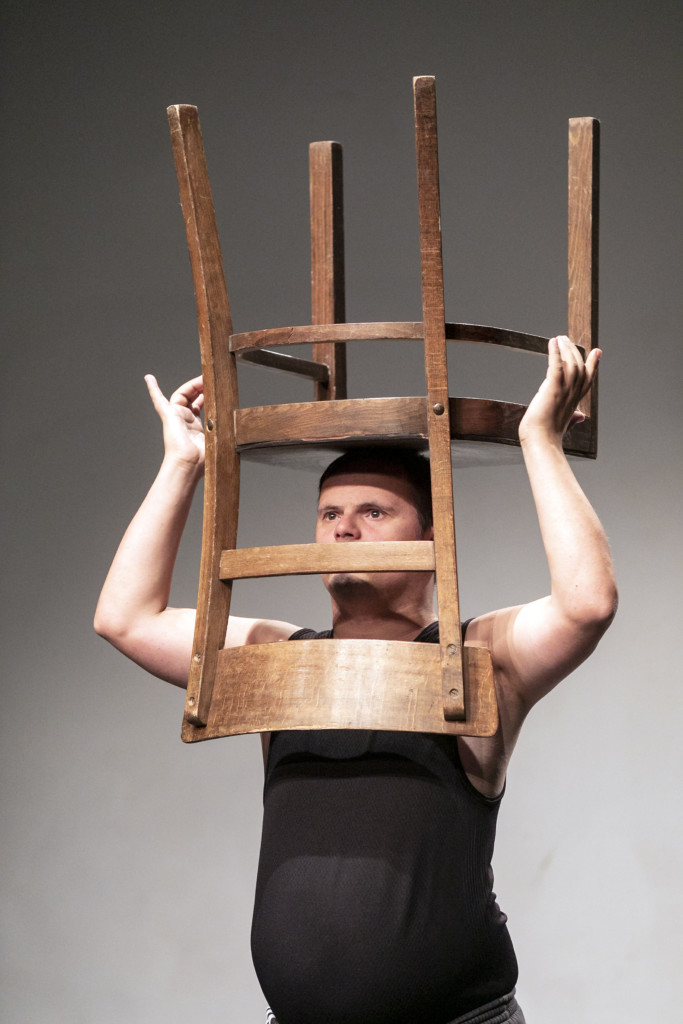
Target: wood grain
[(344, 684), (307, 559), (385, 331), (368, 419), (327, 261), (403, 421)]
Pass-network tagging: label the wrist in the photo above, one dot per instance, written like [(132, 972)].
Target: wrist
[(184, 472), (535, 437)]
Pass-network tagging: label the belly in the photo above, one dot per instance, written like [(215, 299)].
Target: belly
[(368, 907)]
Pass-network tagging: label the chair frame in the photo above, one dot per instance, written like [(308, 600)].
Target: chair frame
[(369, 684)]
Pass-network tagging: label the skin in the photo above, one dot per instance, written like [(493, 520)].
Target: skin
[(533, 646)]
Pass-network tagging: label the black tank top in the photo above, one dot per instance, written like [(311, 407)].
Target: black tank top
[(374, 897)]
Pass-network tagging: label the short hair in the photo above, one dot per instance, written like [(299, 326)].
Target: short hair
[(406, 463)]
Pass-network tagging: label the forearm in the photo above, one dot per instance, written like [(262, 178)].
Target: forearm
[(583, 588), (138, 584)]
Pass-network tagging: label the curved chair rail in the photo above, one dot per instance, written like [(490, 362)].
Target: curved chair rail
[(383, 331), (309, 434), (358, 684)]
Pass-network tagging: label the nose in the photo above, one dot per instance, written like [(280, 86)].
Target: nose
[(346, 528)]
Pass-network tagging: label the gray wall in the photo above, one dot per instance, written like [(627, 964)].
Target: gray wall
[(129, 859)]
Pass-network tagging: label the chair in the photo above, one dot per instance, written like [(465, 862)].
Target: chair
[(361, 684)]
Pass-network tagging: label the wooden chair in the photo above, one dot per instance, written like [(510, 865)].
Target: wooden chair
[(363, 684)]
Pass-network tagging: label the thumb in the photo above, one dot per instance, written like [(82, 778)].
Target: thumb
[(159, 400)]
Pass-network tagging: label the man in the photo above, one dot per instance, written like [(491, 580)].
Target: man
[(374, 900)]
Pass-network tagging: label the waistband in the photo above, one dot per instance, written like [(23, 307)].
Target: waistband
[(505, 1008)]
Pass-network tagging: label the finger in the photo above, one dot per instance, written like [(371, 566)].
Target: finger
[(594, 357), (590, 370), (196, 385), (578, 358), (193, 387), (554, 358), (575, 369), (188, 392), (571, 355), (562, 369)]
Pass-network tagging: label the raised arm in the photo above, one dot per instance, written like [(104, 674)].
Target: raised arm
[(133, 612), (536, 645)]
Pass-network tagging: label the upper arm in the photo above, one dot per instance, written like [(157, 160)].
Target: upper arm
[(162, 643), (533, 647)]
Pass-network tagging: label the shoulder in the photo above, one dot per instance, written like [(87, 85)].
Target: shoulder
[(533, 647)]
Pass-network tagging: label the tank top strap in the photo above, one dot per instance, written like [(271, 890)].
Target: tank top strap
[(429, 635)]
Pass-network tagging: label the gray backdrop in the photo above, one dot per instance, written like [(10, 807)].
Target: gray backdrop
[(129, 859)]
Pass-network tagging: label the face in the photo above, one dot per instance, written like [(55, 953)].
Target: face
[(368, 507)]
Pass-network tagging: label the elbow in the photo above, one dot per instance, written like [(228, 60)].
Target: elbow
[(109, 626), (604, 615), (596, 613), (607, 607), (100, 624), (589, 605)]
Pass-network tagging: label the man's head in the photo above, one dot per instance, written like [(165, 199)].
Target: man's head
[(377, 494), (404, 463)]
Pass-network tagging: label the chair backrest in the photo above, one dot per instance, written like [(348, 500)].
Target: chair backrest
[(369, 684)]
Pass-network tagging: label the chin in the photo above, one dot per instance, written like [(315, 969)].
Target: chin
[(344, 581)]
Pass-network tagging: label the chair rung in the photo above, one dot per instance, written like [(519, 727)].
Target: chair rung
[(288, 364), (312, 333), (308, 559)]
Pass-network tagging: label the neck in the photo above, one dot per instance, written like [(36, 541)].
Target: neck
[(380, 624)]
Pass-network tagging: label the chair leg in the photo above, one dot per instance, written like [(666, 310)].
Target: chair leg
[(436, 369), (221, 486), (327, 261), (584, 228)]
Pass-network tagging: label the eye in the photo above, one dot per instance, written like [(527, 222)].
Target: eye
[(375, 513)]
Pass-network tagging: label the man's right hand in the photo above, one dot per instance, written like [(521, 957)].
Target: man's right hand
[(181, 419)]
